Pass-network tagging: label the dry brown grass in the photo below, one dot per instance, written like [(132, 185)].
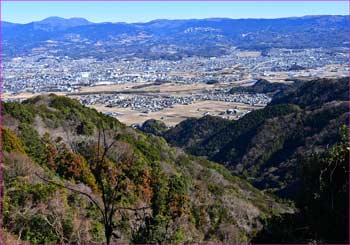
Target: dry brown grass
[(173, 115)]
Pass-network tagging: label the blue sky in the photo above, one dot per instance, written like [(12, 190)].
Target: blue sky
[(24, 12)]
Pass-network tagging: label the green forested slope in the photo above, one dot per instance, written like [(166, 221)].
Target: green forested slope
[(323, 201), (265, 145), (50, 147)]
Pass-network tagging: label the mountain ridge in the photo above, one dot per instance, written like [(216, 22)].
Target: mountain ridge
[(156, 20), (217, 36)]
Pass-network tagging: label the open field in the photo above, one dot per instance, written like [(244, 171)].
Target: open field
[(173, 115), (129, 88), (248, 53), (23, 96), (149, 88)]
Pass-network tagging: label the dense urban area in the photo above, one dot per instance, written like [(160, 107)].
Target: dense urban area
[(42, 73)]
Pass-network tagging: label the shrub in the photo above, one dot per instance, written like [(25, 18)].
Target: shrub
[(33, 145), (10, 142), (19, 111)]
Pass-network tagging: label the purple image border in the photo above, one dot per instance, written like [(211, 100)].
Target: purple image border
[(174, 1), (1, 177)]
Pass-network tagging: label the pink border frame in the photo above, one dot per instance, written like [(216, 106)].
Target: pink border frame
[(174, 1), (1, 180)]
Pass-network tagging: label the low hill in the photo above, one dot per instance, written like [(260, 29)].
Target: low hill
[(154, 127), (263, 86), (56, 179), (314, 94)]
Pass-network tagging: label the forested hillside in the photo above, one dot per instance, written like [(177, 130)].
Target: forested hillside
[(297, 147), (323, 201), (263, 86), (264, 145), (73, 175)]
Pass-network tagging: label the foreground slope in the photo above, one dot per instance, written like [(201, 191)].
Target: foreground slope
[(188, 199)]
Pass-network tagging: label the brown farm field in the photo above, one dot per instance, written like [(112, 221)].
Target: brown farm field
[(173, 115), (149, 88)]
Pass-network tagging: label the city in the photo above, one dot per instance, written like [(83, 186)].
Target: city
[(40, 72)]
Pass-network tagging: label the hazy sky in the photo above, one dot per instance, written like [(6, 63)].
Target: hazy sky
[(24, 12)]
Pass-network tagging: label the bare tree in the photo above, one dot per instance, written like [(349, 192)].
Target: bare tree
[(111, 184)]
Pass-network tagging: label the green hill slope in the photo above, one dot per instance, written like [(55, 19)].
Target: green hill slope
[(296, 147), (51, 146), (274, 89), (265, 144)]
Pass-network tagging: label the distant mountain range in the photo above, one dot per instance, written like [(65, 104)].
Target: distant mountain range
[(57, 23), (215, 36)]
